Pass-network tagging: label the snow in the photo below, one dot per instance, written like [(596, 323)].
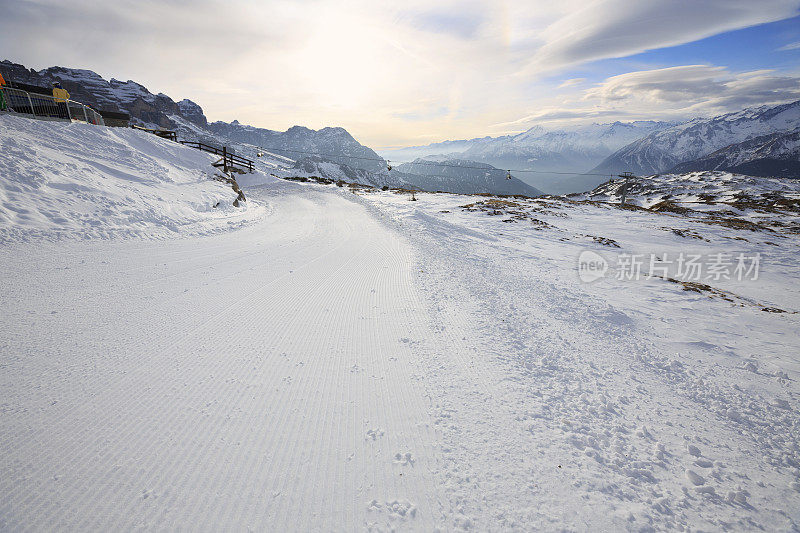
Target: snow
[(79, 181), (262, 378), (347, 359), (662, 150), (548, 152), (693, 188), (110, 93), (620, 384), (592, 139)]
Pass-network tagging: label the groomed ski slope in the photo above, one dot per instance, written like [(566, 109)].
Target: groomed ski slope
[(361, 362), (264, 379)]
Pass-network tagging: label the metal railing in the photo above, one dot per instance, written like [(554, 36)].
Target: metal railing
[(44, 106)]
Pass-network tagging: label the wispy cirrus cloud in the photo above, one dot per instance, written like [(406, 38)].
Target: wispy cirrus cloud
[(696, 88), (571, 82), (671, 93), (620, 28)]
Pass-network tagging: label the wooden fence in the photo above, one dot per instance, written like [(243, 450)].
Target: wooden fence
[(228, 159), (164, 134)]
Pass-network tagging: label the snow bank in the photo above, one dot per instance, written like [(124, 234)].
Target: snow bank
[(79, 181), (616, 405), (709, 187)]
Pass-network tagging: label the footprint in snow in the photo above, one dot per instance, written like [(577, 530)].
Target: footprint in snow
[(397, 509), (374, 434), (404, 459), (695, 478)]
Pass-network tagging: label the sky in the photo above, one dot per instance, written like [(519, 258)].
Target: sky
[(413, 72)]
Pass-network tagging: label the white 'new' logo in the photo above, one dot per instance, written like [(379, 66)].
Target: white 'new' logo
[(591, 266)]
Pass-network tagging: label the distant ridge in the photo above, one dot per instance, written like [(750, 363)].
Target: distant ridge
[(775, 155), (665, 150)]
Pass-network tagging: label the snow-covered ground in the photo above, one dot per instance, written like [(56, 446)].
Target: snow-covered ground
[(705, 190), (78, 181), (346, 359), (616, 404)]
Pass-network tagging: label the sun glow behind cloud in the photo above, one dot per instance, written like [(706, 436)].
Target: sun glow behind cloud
[(399, 73)]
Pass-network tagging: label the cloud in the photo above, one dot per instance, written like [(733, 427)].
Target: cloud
[(571, 82), (673, 84), (562, 114), (791, 46), (387, 71), (620, 28), (694, 88), (674, 93)]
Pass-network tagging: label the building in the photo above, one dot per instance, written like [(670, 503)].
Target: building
[(118, 119)]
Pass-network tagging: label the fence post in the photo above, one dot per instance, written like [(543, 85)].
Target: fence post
[(85, 116), (225, 159), (33, 111)]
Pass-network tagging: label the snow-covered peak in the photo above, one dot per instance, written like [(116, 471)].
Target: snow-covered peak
[(662, 150), (128, 91), (533, 133), (192, 112), (187, 106), (75, 74), (298, 130)]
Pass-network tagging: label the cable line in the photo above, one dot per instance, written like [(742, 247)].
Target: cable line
[(389, 164)]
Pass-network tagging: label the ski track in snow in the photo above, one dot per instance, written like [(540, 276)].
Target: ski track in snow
[(357, 363), (564, 407), (258, 379)]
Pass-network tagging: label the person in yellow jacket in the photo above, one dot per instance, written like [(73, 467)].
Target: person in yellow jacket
[(59, 93), (61, 96)]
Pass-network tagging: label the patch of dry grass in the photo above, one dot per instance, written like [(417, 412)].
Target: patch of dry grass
[(686, 233), (713, 292), (734, 223), (669, 206)]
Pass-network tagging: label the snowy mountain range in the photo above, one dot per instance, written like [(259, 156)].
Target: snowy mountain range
[(324, 168), (555, 157), (329, 152), (463, 177), (332, 144), (777, 154), (664, 150), (760, 141), (187, 117)]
